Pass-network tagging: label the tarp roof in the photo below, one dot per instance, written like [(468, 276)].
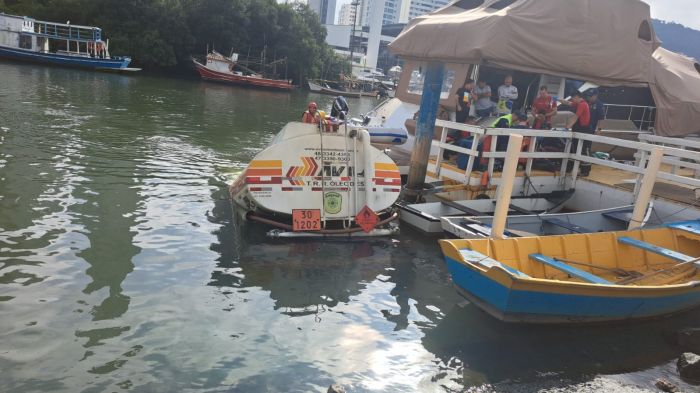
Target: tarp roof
[(676, 90), (607, 42), (593, 40)]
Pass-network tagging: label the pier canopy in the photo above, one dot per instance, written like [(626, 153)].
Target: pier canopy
[(608, 42), (676, 90)]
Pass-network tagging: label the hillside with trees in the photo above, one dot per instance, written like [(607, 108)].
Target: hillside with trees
[(678, 38), (164, 34)]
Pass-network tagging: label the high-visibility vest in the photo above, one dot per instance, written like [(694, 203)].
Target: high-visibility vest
[(508, 117)]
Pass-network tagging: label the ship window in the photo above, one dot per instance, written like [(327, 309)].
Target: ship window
[(25, 41), (697, 67), (469, 4), (644, 31), (501, 4)]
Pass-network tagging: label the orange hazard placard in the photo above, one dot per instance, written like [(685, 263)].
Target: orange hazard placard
[(367, 219), (306, 220)]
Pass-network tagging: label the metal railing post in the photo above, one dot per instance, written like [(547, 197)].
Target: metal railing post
[(472, 157), (492, 161), (441, 151)]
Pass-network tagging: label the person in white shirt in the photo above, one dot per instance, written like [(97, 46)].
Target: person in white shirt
[(507, 93)]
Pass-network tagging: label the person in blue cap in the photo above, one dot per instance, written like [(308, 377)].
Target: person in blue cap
[(597, 108)]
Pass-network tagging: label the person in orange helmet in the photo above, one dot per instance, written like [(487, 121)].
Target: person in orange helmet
[(311, 115)]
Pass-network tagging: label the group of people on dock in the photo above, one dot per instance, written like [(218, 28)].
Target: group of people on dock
[(472, 99), (588, 110)]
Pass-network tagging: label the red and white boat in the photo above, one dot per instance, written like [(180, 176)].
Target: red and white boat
[(220, 68)]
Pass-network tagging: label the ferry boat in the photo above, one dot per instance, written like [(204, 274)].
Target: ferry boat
[(219, 68), (320, 180), (25, 39)]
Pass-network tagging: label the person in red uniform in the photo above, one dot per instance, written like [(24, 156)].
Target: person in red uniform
[(544, 108), (581, 121), (311, 115)]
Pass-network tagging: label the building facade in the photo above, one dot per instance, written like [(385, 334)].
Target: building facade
[(347, 15), (398, 11), (413, 8), (325, 10)]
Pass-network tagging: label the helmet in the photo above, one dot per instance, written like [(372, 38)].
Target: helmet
[(313, 106)]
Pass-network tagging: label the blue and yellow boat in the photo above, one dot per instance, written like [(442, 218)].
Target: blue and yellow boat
[(581, 278)]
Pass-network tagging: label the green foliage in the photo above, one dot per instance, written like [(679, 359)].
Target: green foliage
[(166, 33)]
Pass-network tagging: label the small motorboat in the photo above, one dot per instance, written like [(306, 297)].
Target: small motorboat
[(320, 181), (549, 223), (580, 278), (344, 89), (426, 216)]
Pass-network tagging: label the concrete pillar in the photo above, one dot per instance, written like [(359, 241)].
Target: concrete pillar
[(375, 33)]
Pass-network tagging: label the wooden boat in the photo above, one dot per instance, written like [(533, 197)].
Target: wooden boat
[(581, 278), (219, 68), (26, 39), (603, 220)]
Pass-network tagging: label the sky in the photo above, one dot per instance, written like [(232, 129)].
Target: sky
[(685, 12)]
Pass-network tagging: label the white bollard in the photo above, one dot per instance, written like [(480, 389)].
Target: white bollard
[(505, 189), (646, 189)]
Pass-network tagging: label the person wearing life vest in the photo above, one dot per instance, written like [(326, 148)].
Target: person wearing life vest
[(505, 121), (311, 116)]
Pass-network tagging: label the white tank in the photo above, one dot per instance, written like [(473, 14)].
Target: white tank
[(304, 168)]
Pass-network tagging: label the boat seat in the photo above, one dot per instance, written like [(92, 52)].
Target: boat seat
[(475, 257), (687, 226), (620, 215), (675, 255), (567, 225), (570, 270)]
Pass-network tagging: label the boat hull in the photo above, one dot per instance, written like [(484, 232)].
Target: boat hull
[(541, 303), (64, 60), (316, 88), (215, 76)]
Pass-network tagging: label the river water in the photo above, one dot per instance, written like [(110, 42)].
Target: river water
[(123, 269)]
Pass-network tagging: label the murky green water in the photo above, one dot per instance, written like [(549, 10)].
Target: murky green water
[(121, 268)]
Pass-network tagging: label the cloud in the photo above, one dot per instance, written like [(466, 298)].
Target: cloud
[(686, 12)]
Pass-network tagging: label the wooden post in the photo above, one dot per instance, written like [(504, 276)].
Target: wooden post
[(645, 190), (505, 189), (425, 126)]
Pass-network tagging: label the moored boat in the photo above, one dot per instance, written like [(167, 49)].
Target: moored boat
[(219, 68), (26, 39), (580, 278), (549, 223), (339, 89), (315, 181)]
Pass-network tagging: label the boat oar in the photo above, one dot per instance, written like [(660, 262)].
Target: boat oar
[(658, 272), (619, 272)]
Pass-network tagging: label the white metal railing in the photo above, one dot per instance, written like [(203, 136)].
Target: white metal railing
[(678, 157), (680, 143), (646, 119)]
